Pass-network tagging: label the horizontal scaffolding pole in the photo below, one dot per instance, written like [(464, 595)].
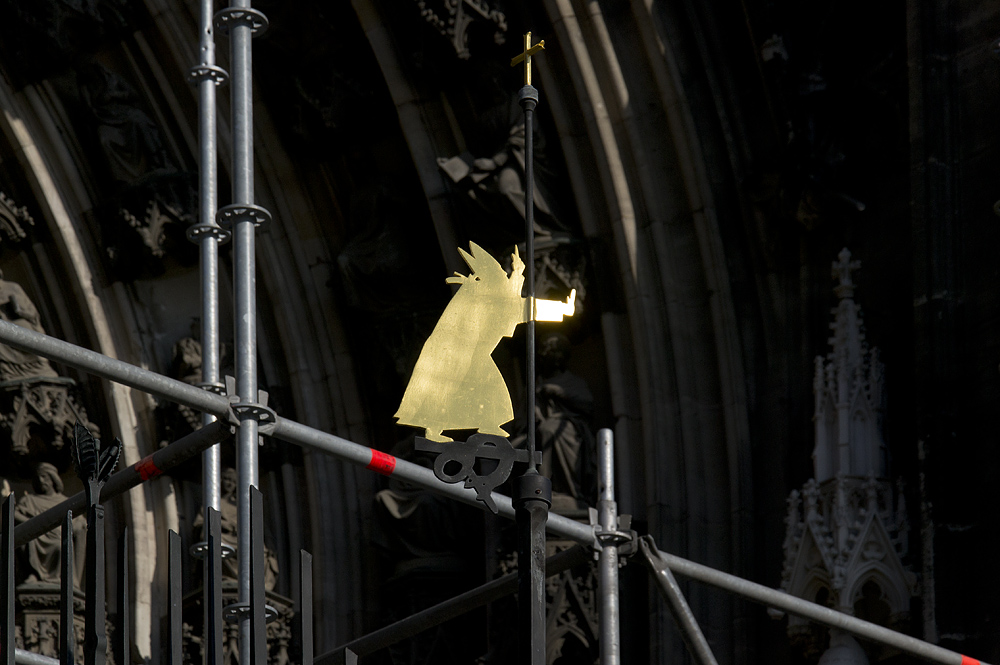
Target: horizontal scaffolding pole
[(803, 608), (286, 430), (162, 460), (22, 657), (449, 609)]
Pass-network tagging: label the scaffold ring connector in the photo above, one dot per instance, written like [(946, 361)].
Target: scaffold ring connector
[(226, 18), (231, 215), (196, 232), (203, 72)]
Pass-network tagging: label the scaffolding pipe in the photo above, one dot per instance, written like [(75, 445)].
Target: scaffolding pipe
[(451, 608), (207, 234), (683, 615), (162, 460), (287, 430), (803, 608), (607, 561), (22, 657)]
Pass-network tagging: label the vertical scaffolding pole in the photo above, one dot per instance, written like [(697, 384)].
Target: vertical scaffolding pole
[(607, 565), (208, 235), (244, 217)]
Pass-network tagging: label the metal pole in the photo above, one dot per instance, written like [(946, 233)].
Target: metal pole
[(67, 639), (122, 630), (803, 608), (119, 371), (7, 559), (451, 608), (286, 430), (95, 644), (682, 611), (306, 606), (162, 460), (208, 235), (244, 217), (258, 651), (22, 657), (174, 600), (532, 492), (213, 591), (607, 563)]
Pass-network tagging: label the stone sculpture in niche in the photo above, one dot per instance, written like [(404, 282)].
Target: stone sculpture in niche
[(37, 406), (16, 307), (14, 220), (42, 555), (149, 200), (495, 185), (563, 409)]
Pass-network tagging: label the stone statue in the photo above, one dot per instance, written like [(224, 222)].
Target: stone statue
[(495, 184), (16, 307), (229, 516), (43, 553), (563, 408), (129, 138)]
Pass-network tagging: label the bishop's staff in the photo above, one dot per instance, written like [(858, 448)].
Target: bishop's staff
[(532, 492)]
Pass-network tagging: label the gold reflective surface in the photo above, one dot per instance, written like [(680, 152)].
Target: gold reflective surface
[(455, 383), (525, 56)]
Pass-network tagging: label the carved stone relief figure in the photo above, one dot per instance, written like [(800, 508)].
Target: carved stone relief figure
[(563, 408), (177, 420), (16, 307), (149, 200), (42, 555), (495, 184), (37, 406)]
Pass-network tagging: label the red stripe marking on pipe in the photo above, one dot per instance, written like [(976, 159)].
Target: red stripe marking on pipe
[(969, 661), (386, 464), (147, 469)]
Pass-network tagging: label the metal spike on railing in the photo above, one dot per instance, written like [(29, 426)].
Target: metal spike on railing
[(7, 602), (123, 642), (306, 606), (213, 590), (67, 640), (174, 598), (95, 646), (258, 637)]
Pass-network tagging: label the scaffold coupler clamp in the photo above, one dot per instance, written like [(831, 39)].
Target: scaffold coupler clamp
[(623, 537), (240, 410)]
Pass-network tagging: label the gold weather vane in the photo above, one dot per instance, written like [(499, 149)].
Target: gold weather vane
[(455, 383), (529, 51)]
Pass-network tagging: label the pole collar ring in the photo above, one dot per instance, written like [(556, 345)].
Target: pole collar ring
[(200, 550), (203, 72), (217, 388), (196, 232), (237, 611), (230, 215), (226, 18)]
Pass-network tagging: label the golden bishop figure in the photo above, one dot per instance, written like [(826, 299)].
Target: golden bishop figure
[(455, 383)]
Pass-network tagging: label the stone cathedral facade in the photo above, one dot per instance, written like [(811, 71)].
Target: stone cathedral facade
[(699, 167)]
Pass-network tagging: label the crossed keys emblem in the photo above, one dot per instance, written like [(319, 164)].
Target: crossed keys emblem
[(463, 455)]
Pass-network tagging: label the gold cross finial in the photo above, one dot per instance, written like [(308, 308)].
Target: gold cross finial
[(529, 51)]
